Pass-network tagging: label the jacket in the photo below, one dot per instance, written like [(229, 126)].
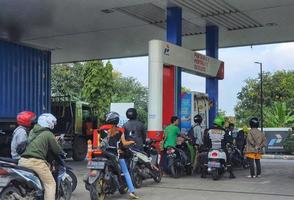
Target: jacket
[(19, 136), (255, 141), (41, 141), (134, 130)]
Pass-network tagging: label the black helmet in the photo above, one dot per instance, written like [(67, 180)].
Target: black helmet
[(254, 122), (112, 118), (198, 119), (131, 113)]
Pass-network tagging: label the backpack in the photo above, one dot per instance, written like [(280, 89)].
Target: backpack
[(191, 134), (20, 149)]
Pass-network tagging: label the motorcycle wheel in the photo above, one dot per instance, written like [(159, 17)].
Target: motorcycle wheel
[(216, 174), (73, 178), (137, 179), (95, 187), (158, 176), (174, 171), (65, 190), (189, 170), (10, 193)]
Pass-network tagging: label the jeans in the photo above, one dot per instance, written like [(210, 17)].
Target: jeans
[(126, 173), (252, 168)]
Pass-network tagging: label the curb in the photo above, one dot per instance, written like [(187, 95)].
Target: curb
[(280, 157)]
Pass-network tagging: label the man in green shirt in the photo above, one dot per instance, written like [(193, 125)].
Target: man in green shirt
[(171, 133)]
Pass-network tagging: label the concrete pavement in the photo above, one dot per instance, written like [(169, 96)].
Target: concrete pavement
[(277, 183)]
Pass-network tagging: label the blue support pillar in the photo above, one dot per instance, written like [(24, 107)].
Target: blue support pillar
[(174, 35), (212, 83)]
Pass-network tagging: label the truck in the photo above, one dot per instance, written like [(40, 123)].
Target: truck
[(75, 124)]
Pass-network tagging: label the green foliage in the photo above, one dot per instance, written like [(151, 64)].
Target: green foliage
[(289, 143), (67, 80), (276, 87), (278, 115), (128, 89), (98, 86)]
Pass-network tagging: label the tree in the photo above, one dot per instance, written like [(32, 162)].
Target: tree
[(67, 80), (128, 89), (98, 86), (277, 87), (278, 115)]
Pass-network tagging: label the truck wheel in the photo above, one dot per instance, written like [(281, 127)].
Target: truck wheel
[(79, 148)]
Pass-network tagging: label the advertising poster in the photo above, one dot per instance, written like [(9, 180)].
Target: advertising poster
[(186, 112)]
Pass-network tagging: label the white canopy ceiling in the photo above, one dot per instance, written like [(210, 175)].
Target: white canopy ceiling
[(76, 30)]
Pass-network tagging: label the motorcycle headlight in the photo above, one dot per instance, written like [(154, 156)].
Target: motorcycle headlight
[(30, 177)]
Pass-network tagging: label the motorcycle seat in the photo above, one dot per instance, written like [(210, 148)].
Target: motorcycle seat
[(9, 160)]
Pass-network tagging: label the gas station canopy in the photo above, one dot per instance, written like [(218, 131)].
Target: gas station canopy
[(76, 30)]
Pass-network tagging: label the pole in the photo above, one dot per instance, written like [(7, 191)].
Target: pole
[(261, 96), (261, 99)]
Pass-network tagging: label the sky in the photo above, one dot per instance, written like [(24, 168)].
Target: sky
[(239, 66)]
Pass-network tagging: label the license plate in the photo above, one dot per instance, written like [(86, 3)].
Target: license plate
[(214, 164), (96, 165)]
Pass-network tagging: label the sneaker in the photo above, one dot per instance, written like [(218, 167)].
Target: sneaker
[(258, 176), (132, 195), (249, 176)]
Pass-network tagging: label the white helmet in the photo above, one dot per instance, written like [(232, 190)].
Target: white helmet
[(47, 120)]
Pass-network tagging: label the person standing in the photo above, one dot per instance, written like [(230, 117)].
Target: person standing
[(25, 121), (256, 141), (171, 132)]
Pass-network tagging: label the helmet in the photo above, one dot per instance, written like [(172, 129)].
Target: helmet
[(198, 119), (47, 120), (131, 113), (254, 122), (219, 121), (245, 129), (112, 118), (26, 118)]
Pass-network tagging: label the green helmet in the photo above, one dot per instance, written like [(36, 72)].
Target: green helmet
[(219, 121)]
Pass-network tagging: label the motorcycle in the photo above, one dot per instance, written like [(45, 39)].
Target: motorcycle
[(145, 164), (20, 183), (179, 158), (216, 165), (105, 176), (237, 158)]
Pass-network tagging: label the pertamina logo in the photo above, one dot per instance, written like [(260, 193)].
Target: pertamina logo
[(166, 50), (276, 140)]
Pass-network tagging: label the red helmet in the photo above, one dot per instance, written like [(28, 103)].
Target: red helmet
[(26, 118)]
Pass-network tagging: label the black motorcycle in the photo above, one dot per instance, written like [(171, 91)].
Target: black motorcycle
[(20, 183), (179, 161), (105, 176), (236, 157), (145, 164)]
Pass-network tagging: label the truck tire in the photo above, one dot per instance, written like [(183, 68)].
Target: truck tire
[(79, 150)]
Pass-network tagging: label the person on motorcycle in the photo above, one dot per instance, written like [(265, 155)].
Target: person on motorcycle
[(241, 139), (218, 139), (197, 139), (134, 129), (230, 133), (114, 136), (25, 121), (41, 141), (256, 141)]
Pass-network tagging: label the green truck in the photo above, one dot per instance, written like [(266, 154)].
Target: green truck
[(75, 123)]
